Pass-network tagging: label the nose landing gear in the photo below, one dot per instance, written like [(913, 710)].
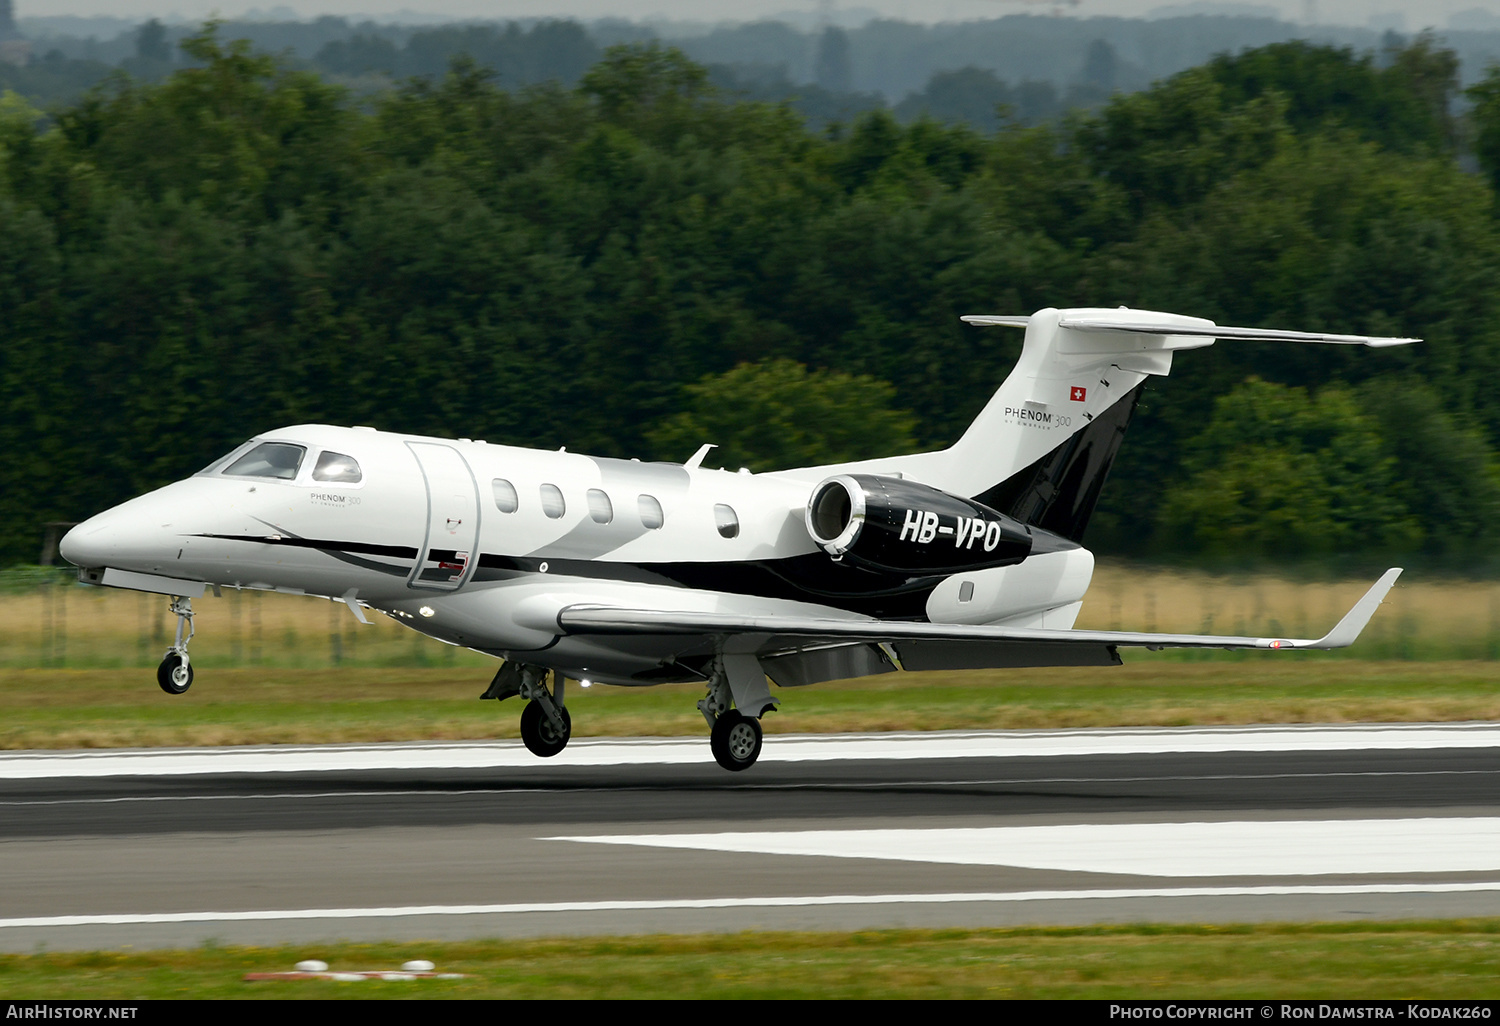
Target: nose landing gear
[(175, 674)]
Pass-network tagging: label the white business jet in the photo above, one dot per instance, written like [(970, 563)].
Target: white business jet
[(643, 573)]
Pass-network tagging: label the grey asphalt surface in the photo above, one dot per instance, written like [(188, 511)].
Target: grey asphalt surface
[(458, 839)]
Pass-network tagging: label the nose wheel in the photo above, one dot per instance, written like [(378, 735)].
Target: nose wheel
[(175, 674)]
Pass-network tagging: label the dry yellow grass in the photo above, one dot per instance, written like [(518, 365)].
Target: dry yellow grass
[(1424, 618), (78, 626)]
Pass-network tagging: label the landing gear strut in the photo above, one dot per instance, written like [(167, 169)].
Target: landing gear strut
[(175, 674), (734, 733), (545, 723)]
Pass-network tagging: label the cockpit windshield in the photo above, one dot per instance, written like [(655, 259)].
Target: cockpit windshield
[(269, 459)]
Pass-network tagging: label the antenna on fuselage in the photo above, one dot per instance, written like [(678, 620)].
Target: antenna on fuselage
[(697, 457)]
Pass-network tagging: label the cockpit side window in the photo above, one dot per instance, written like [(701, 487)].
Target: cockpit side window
[(269, 459), (337, 468)]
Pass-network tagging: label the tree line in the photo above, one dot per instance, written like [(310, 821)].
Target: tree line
[(638, 263)]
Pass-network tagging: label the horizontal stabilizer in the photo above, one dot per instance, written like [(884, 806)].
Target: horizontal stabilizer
[(793, 632), (1196, 331)]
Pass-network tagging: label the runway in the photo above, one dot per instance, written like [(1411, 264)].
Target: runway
[(297, 844)]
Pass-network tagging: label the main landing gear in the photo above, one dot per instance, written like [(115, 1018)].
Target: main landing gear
[(735, 735), (545, 723), (175, 674), (737, 698)]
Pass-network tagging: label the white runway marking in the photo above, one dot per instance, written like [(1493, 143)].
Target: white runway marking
[(763, 902), (595, 752), (1274, 848)]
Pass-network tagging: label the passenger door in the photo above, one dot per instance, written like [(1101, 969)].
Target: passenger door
[(450, 550)]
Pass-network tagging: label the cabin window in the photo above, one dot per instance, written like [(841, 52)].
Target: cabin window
[(966, 591), (726, 521), (552, 501), (601, 510), (506, 499), (651, 514), (336, 468), (269, 459)]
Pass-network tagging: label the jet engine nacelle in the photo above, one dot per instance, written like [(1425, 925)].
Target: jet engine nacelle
[(893, 524)]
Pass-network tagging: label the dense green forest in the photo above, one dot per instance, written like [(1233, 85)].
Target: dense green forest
[(638, 262)]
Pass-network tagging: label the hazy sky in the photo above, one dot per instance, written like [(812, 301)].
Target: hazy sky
[(1410, 14)]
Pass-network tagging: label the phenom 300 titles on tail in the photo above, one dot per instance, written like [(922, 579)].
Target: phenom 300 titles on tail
[(643, 573)]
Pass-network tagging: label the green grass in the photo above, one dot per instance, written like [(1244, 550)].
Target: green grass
[(1452, 959), (124, 708)]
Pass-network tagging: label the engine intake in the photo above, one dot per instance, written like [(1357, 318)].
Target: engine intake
[(893, 524)]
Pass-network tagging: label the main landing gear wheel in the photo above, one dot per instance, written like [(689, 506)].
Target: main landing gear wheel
[(175, 674), (539, 734), (735, 740)]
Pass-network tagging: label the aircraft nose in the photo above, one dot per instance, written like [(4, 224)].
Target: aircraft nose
[(124, 537), (90, 544)]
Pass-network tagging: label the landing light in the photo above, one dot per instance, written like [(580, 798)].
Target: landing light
[(586, 683), (426, 610)]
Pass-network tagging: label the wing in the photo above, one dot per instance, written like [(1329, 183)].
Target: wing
[(940, 644)]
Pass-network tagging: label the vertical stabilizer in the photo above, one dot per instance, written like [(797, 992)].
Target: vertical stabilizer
[(1041, 448), (1020, 448)]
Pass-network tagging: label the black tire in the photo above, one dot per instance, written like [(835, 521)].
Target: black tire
[(540, 737), (735, 740), (175, 674)]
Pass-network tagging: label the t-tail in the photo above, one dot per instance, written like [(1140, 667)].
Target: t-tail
[(1042, 447)]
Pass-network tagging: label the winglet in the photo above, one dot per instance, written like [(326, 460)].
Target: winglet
[(1349, 628)]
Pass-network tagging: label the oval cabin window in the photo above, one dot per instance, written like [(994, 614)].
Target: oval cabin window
[(651, 515), (601, 510), (506, 499), (552, 501), (726, 521)]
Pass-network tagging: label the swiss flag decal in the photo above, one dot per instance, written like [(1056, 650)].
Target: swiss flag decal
[(1078, 393)]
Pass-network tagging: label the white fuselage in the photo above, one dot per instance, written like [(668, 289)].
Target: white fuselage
[(480, 545)]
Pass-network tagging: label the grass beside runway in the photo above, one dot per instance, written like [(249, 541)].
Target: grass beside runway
[(1368, 961), (111, 708), (47, 622)]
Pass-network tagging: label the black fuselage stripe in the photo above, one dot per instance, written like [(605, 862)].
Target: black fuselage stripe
[(810, 577), (367, 548)]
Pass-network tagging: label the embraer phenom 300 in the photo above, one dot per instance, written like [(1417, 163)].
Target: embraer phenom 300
[(643, 573)]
